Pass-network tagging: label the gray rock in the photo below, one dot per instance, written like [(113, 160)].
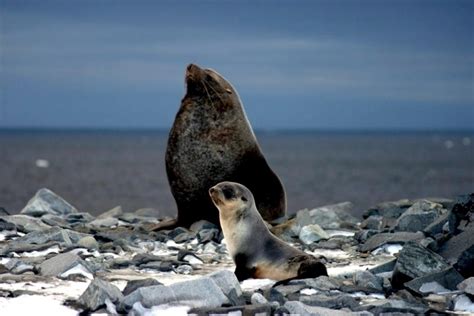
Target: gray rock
[(136, 284), (202, 224), (333, 302), (184, 269), (103, 222), (65, 237), (448, 279), (363, 235), (384, 267), (295, 307), (437, 227), (366, 279), (258, 298), (25, 223), (467, 286), (79, 218), (61, 263), (148, 212), (312, 233), (257, 310), (114, 212), (229, 285), (419, 216), (393, 307), (374, 222), (415, 261), (47, 202), (463, 303), (205, 235), (322, 283), (332, 216), (97, 293), (18, 247), (54, 220), (88, 242), (202, 292), (389, 209), (381, 239), (459, 252)]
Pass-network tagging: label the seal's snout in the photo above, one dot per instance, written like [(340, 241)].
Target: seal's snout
[(212, 190), (193, 72)]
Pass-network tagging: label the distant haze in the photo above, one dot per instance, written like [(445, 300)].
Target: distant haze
[(297, 65)]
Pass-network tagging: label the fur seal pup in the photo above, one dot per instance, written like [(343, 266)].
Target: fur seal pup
[(256, 252), (212, 141)]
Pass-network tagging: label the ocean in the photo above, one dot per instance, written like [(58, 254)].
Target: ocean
[(98, 170)]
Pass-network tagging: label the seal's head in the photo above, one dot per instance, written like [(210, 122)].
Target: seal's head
[(208, 82), (231, 197)]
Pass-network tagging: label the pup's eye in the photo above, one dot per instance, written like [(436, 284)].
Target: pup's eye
[(228, 193), (243, 198)]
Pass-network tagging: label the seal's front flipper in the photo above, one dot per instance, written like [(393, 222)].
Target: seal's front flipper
[(242, 272)]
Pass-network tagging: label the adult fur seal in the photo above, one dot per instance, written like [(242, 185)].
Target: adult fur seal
[(212, 141), (257, 253)]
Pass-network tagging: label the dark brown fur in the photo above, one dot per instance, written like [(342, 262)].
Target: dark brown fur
[(211, 141)]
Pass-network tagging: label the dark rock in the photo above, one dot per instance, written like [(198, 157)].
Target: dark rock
[(177, 231), (65, 237), (381, 239), (206, 235), (25, 223), (374, 222), (459, 252), (61, 263), (184, 237), (384, 267), (47, 202), (135, 284), (79, 218), (23, 247), (333, 243), (363, 235), (188, 256), (202, 224), (393, 307), (419, 216), (463, 208), (97, 293), (234, 310), (448, 279), (415, 261), (55, 221), (366, 279), (334, 302), (143, 258), (444, 224), (467, 286), (389, 209), (274, 295)]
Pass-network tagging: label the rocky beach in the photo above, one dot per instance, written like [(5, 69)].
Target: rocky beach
[(402, 257)]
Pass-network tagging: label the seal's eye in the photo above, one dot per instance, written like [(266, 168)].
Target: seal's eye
[(243, 198), (228, 193)]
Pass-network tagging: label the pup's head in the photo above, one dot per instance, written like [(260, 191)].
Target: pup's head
[(231, 197)]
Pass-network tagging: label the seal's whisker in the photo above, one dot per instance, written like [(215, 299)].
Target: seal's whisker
[(207, 92)]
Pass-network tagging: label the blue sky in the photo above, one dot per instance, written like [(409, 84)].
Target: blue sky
[(296, 64)]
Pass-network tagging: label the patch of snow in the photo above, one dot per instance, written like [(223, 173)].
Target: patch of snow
[(344, 233), (78, 269), (433, 287), (255, 284), (390, 249), (192, 259), (330, 253), (160, 310), (463, 303), (308, 291), (349, 269), (42, 253), (34, 305)]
